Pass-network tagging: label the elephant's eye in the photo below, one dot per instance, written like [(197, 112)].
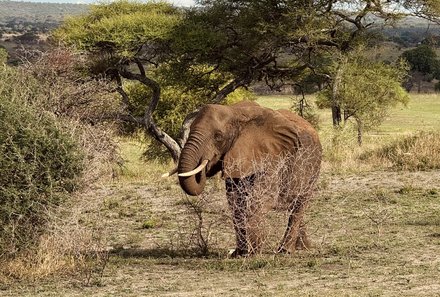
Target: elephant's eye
[(218, 136)]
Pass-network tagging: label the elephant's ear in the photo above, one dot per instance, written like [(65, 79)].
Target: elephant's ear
[(263, 136)]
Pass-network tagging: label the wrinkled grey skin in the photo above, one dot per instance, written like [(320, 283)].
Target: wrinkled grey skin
[(245, 134)]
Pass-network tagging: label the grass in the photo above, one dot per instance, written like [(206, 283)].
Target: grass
[(420, 151), (134, 169), (422, 113)]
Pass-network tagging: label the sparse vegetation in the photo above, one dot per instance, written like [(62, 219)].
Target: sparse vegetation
[(21, 16)]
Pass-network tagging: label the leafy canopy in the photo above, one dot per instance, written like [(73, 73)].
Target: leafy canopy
[(423, 59), (121, 27), (367, 89)]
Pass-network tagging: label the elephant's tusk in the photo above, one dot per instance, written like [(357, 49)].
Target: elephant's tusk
[(195, 171), (172, 172)]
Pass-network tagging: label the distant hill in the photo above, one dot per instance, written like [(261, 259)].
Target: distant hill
[(16, 16)]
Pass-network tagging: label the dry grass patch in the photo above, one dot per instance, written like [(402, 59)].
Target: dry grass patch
[(374, 241), (67, 247), (419, 151)]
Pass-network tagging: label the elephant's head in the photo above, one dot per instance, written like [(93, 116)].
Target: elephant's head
[(223, 136)]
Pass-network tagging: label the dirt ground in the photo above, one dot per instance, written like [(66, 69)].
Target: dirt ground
[(374, 234)]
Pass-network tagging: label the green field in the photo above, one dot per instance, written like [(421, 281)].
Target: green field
[(422, 113)]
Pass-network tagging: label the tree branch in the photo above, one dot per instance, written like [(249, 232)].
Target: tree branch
[(148, 121)]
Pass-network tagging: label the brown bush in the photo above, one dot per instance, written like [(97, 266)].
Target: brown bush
[(68, 91)]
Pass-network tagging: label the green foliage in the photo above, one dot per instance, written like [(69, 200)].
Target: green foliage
[(423, 59), (38, 162), (171, 111), (149, 224), (366, 90), (236, 35), (120, 27), (240, 94)]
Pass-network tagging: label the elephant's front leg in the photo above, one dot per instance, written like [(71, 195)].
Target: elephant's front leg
[(237, 203)]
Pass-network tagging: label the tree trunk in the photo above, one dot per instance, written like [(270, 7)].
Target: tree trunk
[(336, 108), (359, 131), (150, 125), (336, 115)]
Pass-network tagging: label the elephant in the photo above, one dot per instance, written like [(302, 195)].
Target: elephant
[(233, 140)]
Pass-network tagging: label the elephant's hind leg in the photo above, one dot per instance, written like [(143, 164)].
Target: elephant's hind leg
[(302, 241), (295, 235)]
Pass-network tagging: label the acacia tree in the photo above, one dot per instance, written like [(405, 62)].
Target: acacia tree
[(134, 44), (366, 90), (222, 45), (125, 40)]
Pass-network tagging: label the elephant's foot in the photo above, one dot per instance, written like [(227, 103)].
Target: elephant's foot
[(302, 243), (237, 253)]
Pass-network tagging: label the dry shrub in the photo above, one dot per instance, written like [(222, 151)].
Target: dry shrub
[(281, 188), (68, 91), (203, 229), (88, 107), (268, 199), (99, 148), (342, 153), (65, 248), (420, 151), (340, 149)]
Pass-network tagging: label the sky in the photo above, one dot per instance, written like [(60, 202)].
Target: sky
[(176, 2)]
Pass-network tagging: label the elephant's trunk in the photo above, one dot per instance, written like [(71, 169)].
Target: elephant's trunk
[(190, 158)]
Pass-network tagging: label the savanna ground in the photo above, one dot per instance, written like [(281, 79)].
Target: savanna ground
[(375, 230)]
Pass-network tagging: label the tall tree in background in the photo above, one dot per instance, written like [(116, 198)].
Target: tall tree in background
[(278, 42), (424, 63), (366, 90)]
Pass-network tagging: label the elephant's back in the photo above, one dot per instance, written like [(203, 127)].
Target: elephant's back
[(306, 132)]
